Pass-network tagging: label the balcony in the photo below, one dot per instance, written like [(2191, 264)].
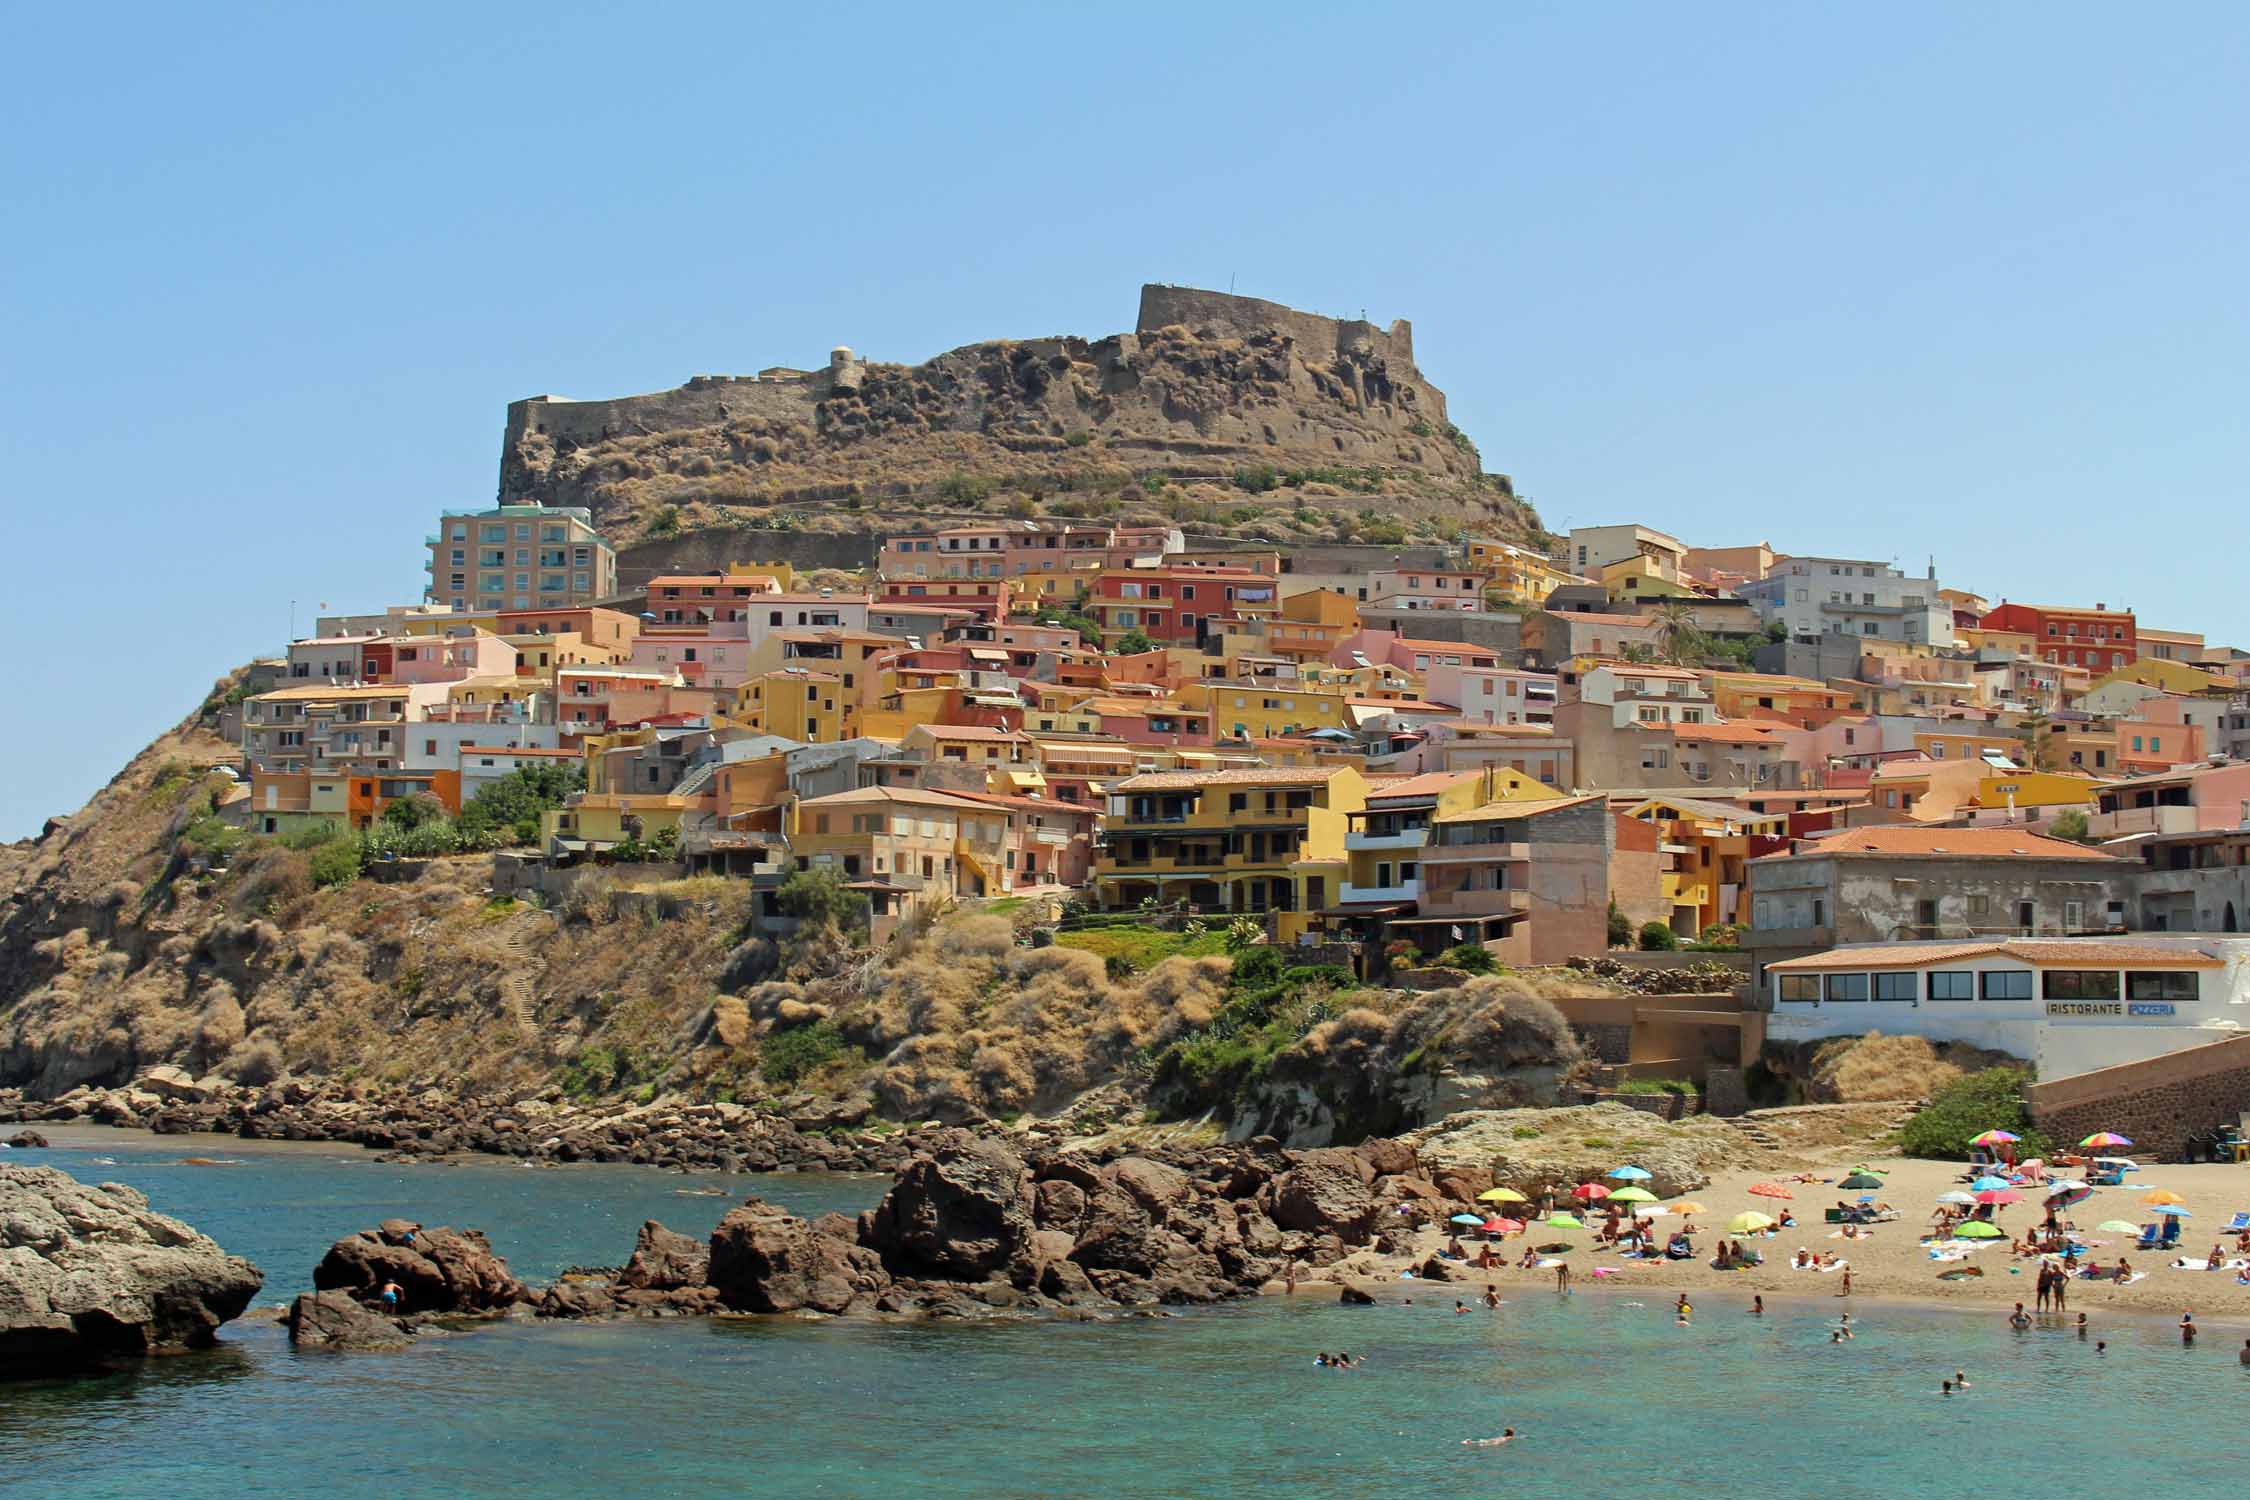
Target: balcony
[(1497, 852), (1404, 838), (1348, 894), (2166, 819)]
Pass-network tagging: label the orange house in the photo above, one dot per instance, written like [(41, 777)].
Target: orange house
[(367, 795)]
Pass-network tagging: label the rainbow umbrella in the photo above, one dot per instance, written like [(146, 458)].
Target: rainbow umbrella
[(1994, 1138), (2105, 1138)]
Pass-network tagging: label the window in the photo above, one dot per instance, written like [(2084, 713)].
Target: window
[(1896, 986), (2143, 984), (2007, 984), (2080, 984), (1847, 987), (1953, 984), (1801, 989)]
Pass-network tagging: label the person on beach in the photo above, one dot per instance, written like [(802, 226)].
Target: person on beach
[(391, 1294), (2081, 1325), (2244, 1356), (2046, 1276), (2060, 1292), (1491, 1297), (1507, 1435), (1459, 1306), (1846, 1289), (1683, 1309), (2211, 1261), (1945, 1387), (2187, 1326), (1289, 1279), (1562, 1278), (2019, 1319), (1485, 1260)]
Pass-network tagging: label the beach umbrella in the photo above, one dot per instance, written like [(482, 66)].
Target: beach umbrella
[(2172, 1211), (1564, 1221), (2104, 1138), (1589, 1190), (1770, 1190), (1466, 1219), (1501, 1195), (2117, 1226), (1994, 1138), (1999, 1195), (1503, 1226), (1990, 1184), (1633, 1174), (1689, 1206), (1632, 1195), (1748, 1223), (2070, 1197), (1861, 1179), (2068, 1185), (2162, 1196), (1957, 1196), (1978, 1229)]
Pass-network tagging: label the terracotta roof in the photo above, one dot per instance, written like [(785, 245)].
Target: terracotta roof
[(1732, 733), (1923, 843), (1915, 955), (1429, 784), (517, 750), (1175, 781), (894, 794), (1034, 804), (1514, 809), (1448, 648), (1698, 807), (970, 732)]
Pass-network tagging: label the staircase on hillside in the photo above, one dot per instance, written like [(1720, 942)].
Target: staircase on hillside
[(517, 992)]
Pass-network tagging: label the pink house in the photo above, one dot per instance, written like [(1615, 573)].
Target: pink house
[(1387, 648), (1424, 588), (714, 656), (590, 700), (451, 658)]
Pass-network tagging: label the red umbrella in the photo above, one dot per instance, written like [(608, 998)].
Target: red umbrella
[(1589, 1190), (1503, 1226), (1999, 1195), (1771, 1190)]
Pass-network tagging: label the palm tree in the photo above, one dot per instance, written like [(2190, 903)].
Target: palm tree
[(1678, 638)]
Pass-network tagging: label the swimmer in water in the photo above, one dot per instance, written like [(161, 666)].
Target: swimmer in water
[(1960, 1381), (2019, 1318), (1507, 1435), (1757, 1307), (1684, 1309), (1459, 1306), (1945, 1387)]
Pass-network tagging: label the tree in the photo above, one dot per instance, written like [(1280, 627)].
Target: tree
[(1620, 928), (507, 810), (819, 901), (412, 812), (2037, 736), (1678, 638), (2070, 824), (1133, 643)]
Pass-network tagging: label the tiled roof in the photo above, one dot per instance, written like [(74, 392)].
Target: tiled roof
[(1697, 807), (1514, 809), (970, 732), (1429, 784), (1921, 843), (1729, 733), (1178, 781), (907, 795)]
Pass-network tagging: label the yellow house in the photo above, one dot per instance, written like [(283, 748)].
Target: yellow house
[(2003, 790), (1637, 577), (1224, 841), (1966, 745), (1381, 857), (795, 704), (1703, 851), (598, 820), (780, 574), (902, 846), (1757, 695), (1263, 709), (1519, 575), (2167, 676)]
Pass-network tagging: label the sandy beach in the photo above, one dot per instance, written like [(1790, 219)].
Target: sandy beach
[(1889, 1262)]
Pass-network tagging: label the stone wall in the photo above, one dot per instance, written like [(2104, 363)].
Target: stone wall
[(1725, 1092), (2157, 1103), (1239, 317), (710, 551)]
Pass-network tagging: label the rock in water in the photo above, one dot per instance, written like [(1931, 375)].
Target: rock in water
[(765, 1259), (88, 1273), (437, 1270), (332, 1320), (962, 1212), (665, 1262)]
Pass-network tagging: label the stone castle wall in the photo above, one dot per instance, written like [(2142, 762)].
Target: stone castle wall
[(2156, 1103), (1239, 317)]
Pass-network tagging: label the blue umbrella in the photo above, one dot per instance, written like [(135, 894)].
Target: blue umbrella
[(1632, 1174), (2173, 1209), (1467, 1219), (1990, 1184)]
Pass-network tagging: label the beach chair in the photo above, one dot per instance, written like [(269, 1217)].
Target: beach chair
[(2150, 1234), (2237, 1225), (2171, 1234), (1833, 1215)]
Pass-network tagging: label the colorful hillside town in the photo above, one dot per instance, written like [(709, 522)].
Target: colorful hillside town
[(1898, 804)]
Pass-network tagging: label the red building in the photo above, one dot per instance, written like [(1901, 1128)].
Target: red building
[(1179, 606), (2096, 639)]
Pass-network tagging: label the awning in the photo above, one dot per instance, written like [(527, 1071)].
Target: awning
[(885, 887), (571, 846), (1498, 916), (1366, 911)]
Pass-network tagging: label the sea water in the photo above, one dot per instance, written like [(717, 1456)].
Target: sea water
[(1608, 1390)]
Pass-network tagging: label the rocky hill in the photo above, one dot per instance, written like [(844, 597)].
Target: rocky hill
[(1216, 409)]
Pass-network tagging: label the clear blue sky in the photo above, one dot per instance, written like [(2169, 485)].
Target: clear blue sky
[(1880, 281)]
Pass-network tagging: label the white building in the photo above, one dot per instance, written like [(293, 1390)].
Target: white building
[(1589, 549), (2068, 1005), (1831, 596)]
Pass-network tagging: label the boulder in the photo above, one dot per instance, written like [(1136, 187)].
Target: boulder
[(28, 1140), (1155, 1186), (1325, 1193), (1386, 1158), (1058, 1205), (175, 1085), (89, 1273), (960, 1211), (1118, 1235), (437, 1270), (576, 1299), (332, 1320), (665, 1262), (1352, 1296), (765, 1259)]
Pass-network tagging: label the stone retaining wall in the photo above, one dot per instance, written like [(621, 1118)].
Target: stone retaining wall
[(2157, 1103)]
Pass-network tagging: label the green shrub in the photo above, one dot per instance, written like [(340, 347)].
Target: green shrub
[(965, 489), (1657, 1086), (1079, 439), (1257, 478), (593, 1071), (1133, 643), (1987, 1100), (2069, 824), (336, 862), (1658, 938), (1474, 957), (786, 1056), (311, 836), (818, 900), (665, 521), (1620, 928)]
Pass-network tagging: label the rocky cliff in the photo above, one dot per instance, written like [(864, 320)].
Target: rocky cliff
[(1206, 384)]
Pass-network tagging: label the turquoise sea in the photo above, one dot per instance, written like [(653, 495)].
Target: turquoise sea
[(1609, 1394)]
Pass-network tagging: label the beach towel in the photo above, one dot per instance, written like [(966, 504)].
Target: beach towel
[(2201, 1264)]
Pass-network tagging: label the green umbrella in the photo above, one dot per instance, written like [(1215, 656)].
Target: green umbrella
[(2117, 1226), (1563, 1221), (1749, 1223), (1861, 1178), (1978, 1229), (1632, 1195)]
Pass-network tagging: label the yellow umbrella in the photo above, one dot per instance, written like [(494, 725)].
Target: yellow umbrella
[(1749, 1223), (1689, 1206), (2163, 1195), (1501, 1195)]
